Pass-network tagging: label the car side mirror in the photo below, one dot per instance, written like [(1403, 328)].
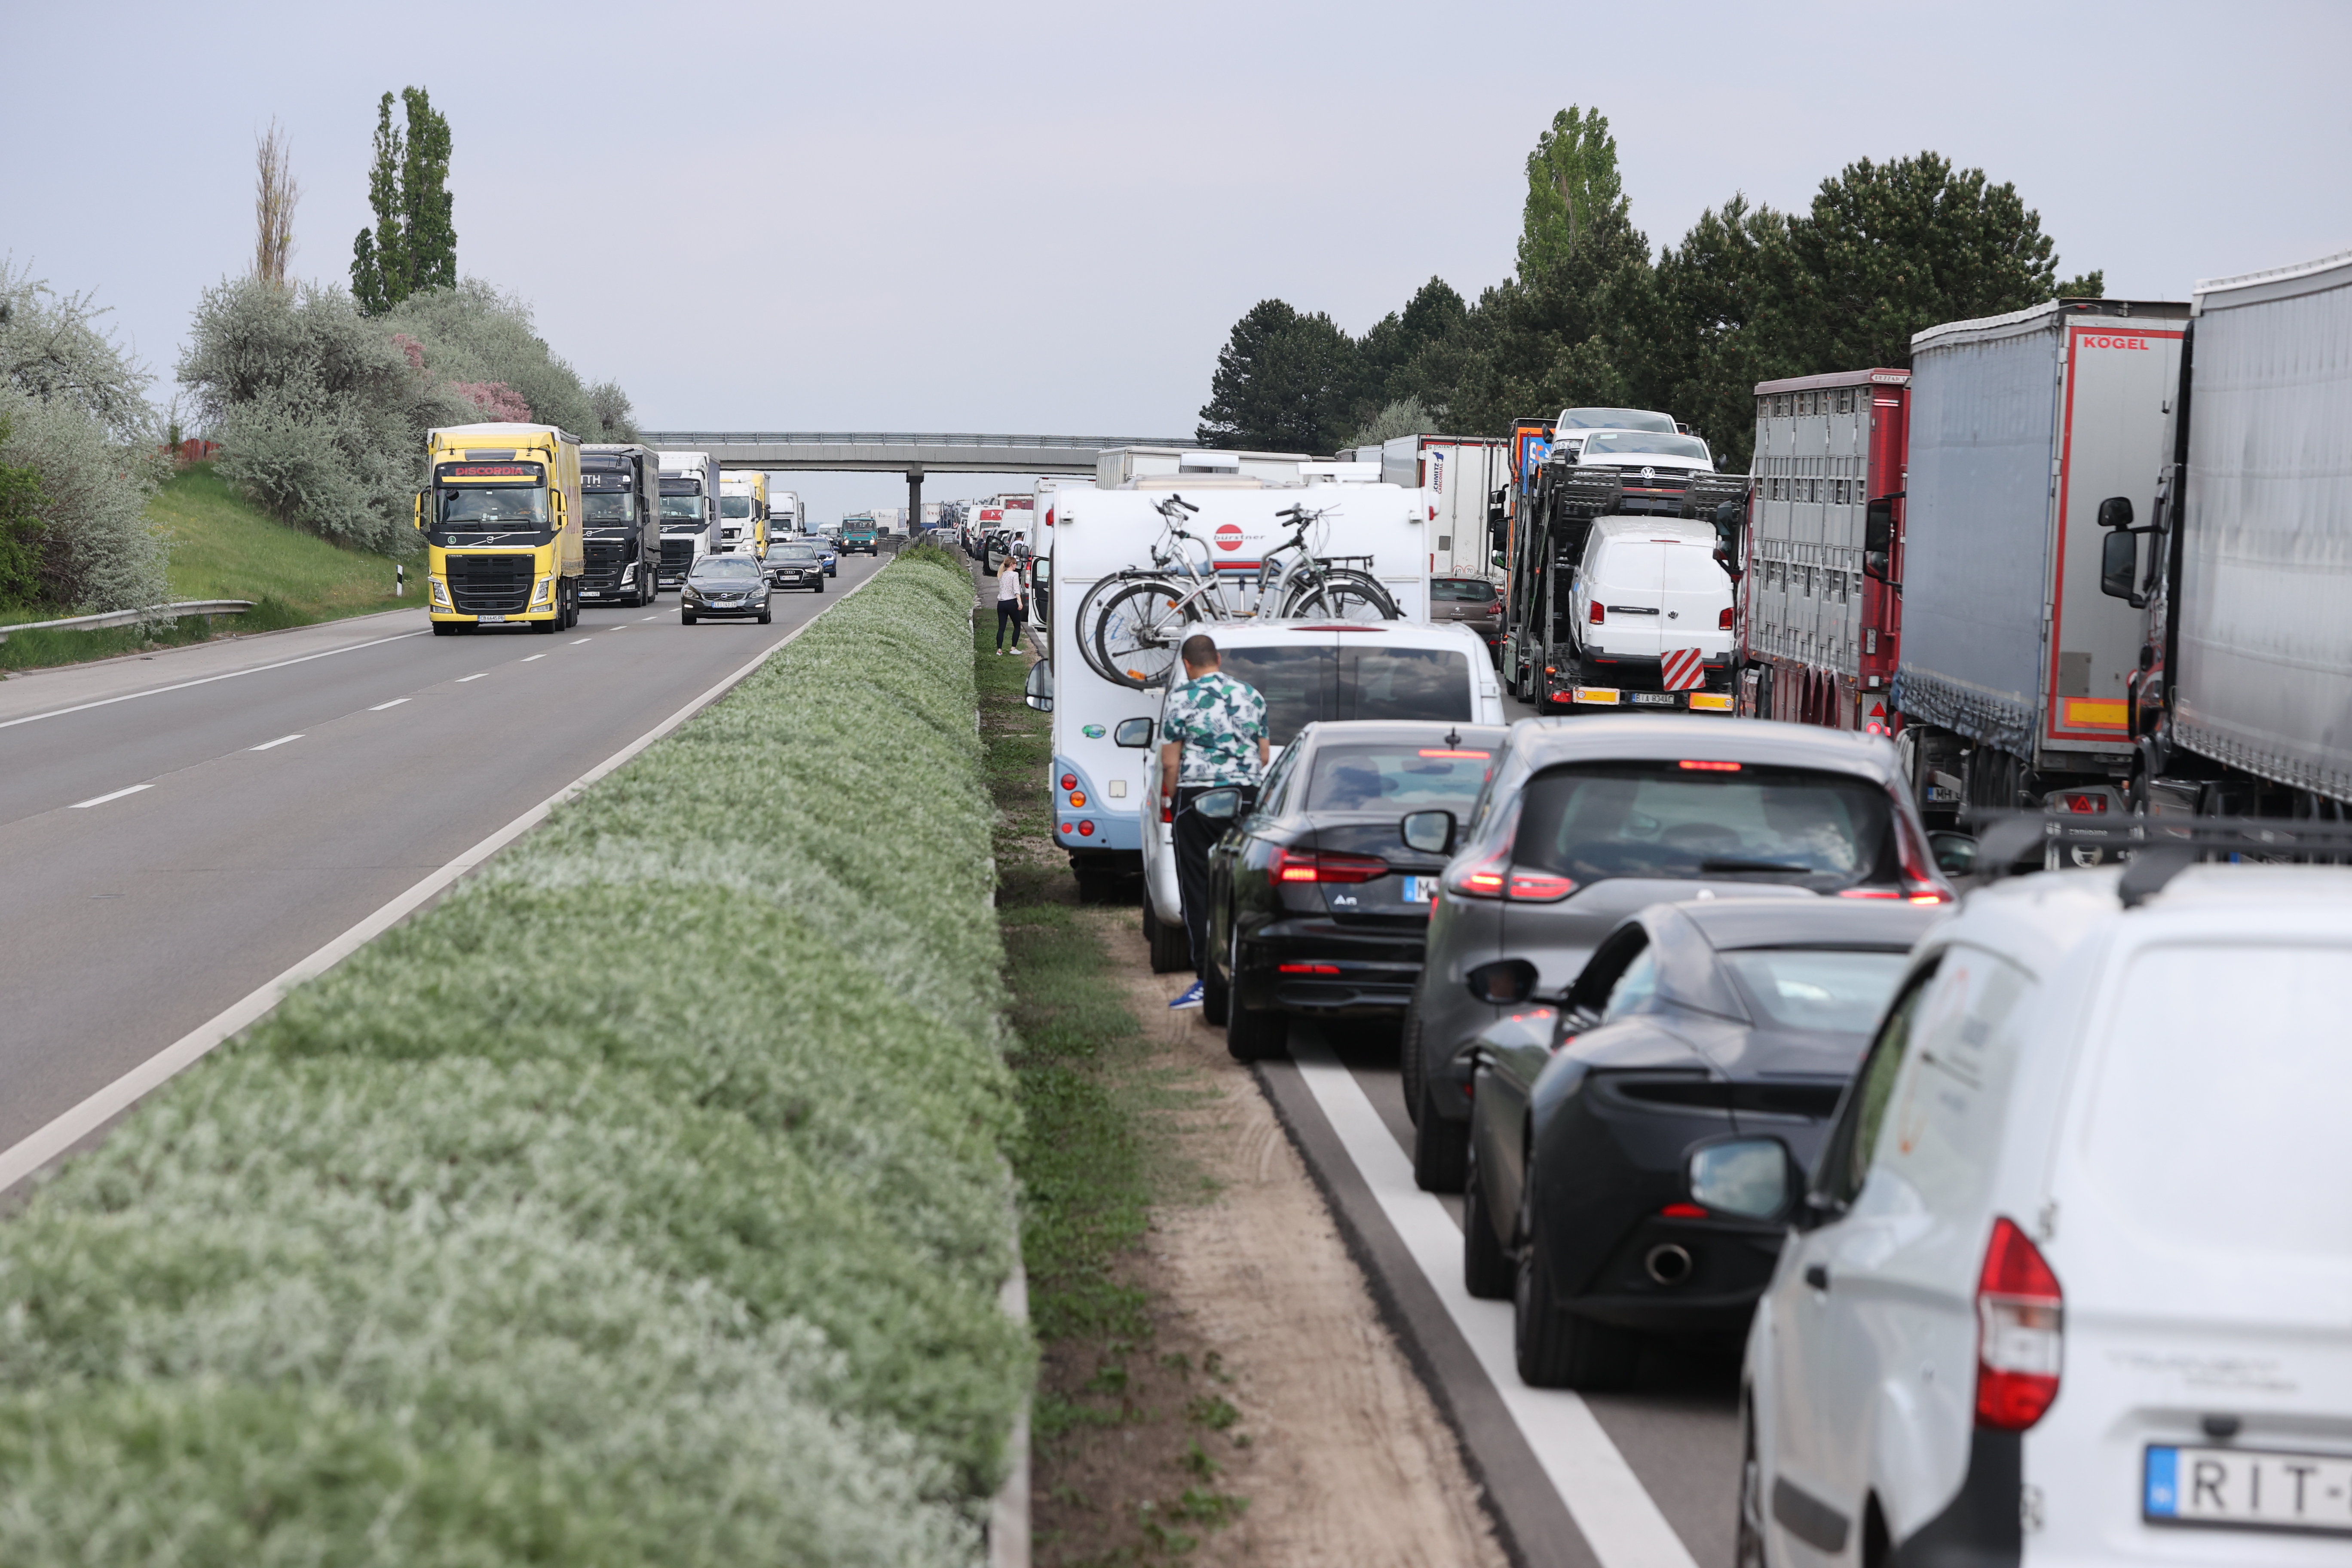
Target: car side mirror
[(1038, 690), (1431, 832), (1752, 1178), (1218, 805), (1504, 982), (1956, 853), (1133, 733), (2119, 560), (2115, 512), (1878, 537)]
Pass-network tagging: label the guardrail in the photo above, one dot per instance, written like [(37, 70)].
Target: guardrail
[(172, 612), (691, 438)]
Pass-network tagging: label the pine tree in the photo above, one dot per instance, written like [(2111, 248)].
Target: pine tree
[(414, 245)]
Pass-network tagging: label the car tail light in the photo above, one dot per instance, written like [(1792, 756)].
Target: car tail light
[(2021, 1332), (1310, 866), (1598, 615), (1921, 885), (1070, 781), (1682, 1211), (1494, 876), (1077, 797), (1086, 830), (2082, 805), (1540, 887), (1723, 620), (1307, 968), (1868, 893)]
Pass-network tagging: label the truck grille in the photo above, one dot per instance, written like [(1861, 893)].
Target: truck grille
[(678, 557), (606, 562), (488, 585)]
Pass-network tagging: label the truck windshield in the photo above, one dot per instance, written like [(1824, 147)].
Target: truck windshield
[(1642, 444), (606, 506), (682, 512), (734, 506), (474, 508)]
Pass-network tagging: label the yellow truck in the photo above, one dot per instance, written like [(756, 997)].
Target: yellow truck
[(502, 528), (743, 514)]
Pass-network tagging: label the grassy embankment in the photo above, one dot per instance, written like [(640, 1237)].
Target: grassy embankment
[(643, 1202), (1095, 1159), (224, 547)]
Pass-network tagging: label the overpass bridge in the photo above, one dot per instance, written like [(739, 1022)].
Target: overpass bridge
[(866, 451)]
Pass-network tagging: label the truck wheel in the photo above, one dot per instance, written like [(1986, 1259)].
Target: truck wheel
[(445, 629), (550, 626)]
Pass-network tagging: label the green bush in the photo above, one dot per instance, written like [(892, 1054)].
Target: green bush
[(645, 1202)]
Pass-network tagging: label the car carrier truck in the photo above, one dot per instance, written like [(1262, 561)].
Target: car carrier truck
[(689, 512), (2013, 679), (620, 500), (502, 522)]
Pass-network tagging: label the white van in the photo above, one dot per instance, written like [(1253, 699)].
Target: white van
[(1307, 671), (1651, 616), (2073, 1283)]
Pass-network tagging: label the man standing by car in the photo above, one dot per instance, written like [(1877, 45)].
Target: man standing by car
[(1213, 737)]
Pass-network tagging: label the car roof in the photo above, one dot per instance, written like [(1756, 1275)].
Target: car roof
[(1537, 744), (2035, 922), (1731, 925), (1408, 634), (1371, 732), (1678, 529)]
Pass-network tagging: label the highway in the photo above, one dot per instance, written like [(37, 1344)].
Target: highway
[(181, 829)]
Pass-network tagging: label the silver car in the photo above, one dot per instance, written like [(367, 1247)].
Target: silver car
[(1586, 820)]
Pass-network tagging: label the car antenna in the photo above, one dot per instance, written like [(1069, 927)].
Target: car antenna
[(1454, 736)]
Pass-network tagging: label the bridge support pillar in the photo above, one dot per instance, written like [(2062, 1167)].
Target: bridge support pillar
[(914, 502)]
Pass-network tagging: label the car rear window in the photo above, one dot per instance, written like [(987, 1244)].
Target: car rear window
[(1306, 685), (1403, 778), (2217, 1123), (1795, 988), (1461, 590), (1705, 817)]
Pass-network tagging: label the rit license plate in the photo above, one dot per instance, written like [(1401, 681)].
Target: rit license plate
[(2249, 1488)]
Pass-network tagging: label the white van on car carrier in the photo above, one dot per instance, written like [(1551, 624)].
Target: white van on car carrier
[(1650, 618), (2073, 1281), (1090, 532)]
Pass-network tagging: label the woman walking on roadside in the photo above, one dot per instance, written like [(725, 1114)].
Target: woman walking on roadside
[(1008, 603)]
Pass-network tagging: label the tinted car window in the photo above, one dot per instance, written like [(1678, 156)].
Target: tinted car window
[(1403, 778), (1634, 989), (723, 568), (1699, 818), (1461, 590), (1791, 988), (1305, 685)]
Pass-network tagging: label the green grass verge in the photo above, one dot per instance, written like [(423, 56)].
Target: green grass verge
[(225, 547), (646, 1202)]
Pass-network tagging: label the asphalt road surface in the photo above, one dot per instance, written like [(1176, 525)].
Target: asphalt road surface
[(180, 830)]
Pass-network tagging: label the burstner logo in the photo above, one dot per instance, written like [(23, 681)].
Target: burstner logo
[(1229, 536)]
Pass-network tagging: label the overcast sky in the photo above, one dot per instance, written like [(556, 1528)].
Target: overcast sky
[(1044, 217)]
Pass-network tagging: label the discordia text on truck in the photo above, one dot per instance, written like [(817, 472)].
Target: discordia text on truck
[(501, 527)]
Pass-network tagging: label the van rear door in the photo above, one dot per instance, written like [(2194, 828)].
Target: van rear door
[(1694, 592), (1630, 585)]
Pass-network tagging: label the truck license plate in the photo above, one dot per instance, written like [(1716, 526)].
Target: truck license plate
[(1420, 889), (491, 620), (2256, 1489), (1655, 699)]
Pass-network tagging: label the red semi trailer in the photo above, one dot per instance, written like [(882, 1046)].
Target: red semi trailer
[(1818, 635)]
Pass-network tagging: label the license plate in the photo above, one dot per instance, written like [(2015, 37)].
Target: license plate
[(1420, 889), (1655, 699), (2252, 1488), (491, 620)]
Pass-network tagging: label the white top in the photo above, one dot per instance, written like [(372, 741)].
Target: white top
[(1008, 583)]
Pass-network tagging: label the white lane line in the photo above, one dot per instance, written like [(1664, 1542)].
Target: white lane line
[(616, 628), (1619, 1519), (394, 703), (206, 681), (36, 1150), (102, 799), (649, 617), (476, 676), (534, 656), (279, 742), (577, 641)]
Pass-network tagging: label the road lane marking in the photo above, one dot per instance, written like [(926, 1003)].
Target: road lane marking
[(616, 628), (394, 703), (205, 680), (577, 641), (279, 742), (649, 617), (1619, 1519), (102, 799), (534, 656), (476, 676), (34, 1150)]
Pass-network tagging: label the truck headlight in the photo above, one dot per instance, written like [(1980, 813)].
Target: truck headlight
[(539, 594), (440, 590)]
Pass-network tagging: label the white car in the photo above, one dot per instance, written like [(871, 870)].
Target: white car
[(1652, 617), (2074, 1280), (1310, 671)]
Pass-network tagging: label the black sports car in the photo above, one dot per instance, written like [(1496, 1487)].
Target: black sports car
[(1316, 906), (1635, 1148)]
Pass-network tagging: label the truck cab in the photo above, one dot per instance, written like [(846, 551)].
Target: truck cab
[(690, 513), (620, 500), (857, 533), (501, 521), (743, 515)]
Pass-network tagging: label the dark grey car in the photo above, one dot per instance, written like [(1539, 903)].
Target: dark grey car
[(1473, 601), (1587, 820)]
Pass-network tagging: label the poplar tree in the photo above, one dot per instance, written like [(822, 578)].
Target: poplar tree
[(414, 245)]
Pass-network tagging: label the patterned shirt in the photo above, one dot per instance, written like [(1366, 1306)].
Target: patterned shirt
[(1220, 721)]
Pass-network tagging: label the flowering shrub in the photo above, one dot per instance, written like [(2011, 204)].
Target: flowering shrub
[(495, 398), (646, 1202)]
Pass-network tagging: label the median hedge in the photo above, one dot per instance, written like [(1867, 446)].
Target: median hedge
[(645, 1202)]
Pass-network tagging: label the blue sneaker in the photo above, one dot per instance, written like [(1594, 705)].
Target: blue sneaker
[(1191, 997)]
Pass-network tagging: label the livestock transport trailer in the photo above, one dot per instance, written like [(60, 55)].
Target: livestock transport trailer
[(2013, 679), (1819, 634)]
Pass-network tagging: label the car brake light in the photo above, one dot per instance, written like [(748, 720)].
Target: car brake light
[(1723, 620), (1086, 830), (1597, 616), (1307, 968), (1868, 893), (1309, 865), (1481, 756), (1682, 1211), (2021, 1332), (1540, 887), (1708, 767), (1070, 781)]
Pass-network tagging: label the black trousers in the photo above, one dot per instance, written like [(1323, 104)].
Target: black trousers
[(1008, 611), (1195, 837)]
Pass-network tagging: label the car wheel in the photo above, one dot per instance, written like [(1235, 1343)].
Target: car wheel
[(1217, 988), (1556, 1348), (1440, 1148), (1409, 1059), (1487, 1271), (766, 617), (1172, 950), (1253, 1036), (684, 618), (820, 583), (1747, 1545)]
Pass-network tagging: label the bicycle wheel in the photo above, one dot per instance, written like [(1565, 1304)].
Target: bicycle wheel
[(1342, 595), (1137, 636), (1087, 621)]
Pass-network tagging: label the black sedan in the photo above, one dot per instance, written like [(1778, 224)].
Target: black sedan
[(795, 565), (1635, 1148), (1316, 906), (724, 586)]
